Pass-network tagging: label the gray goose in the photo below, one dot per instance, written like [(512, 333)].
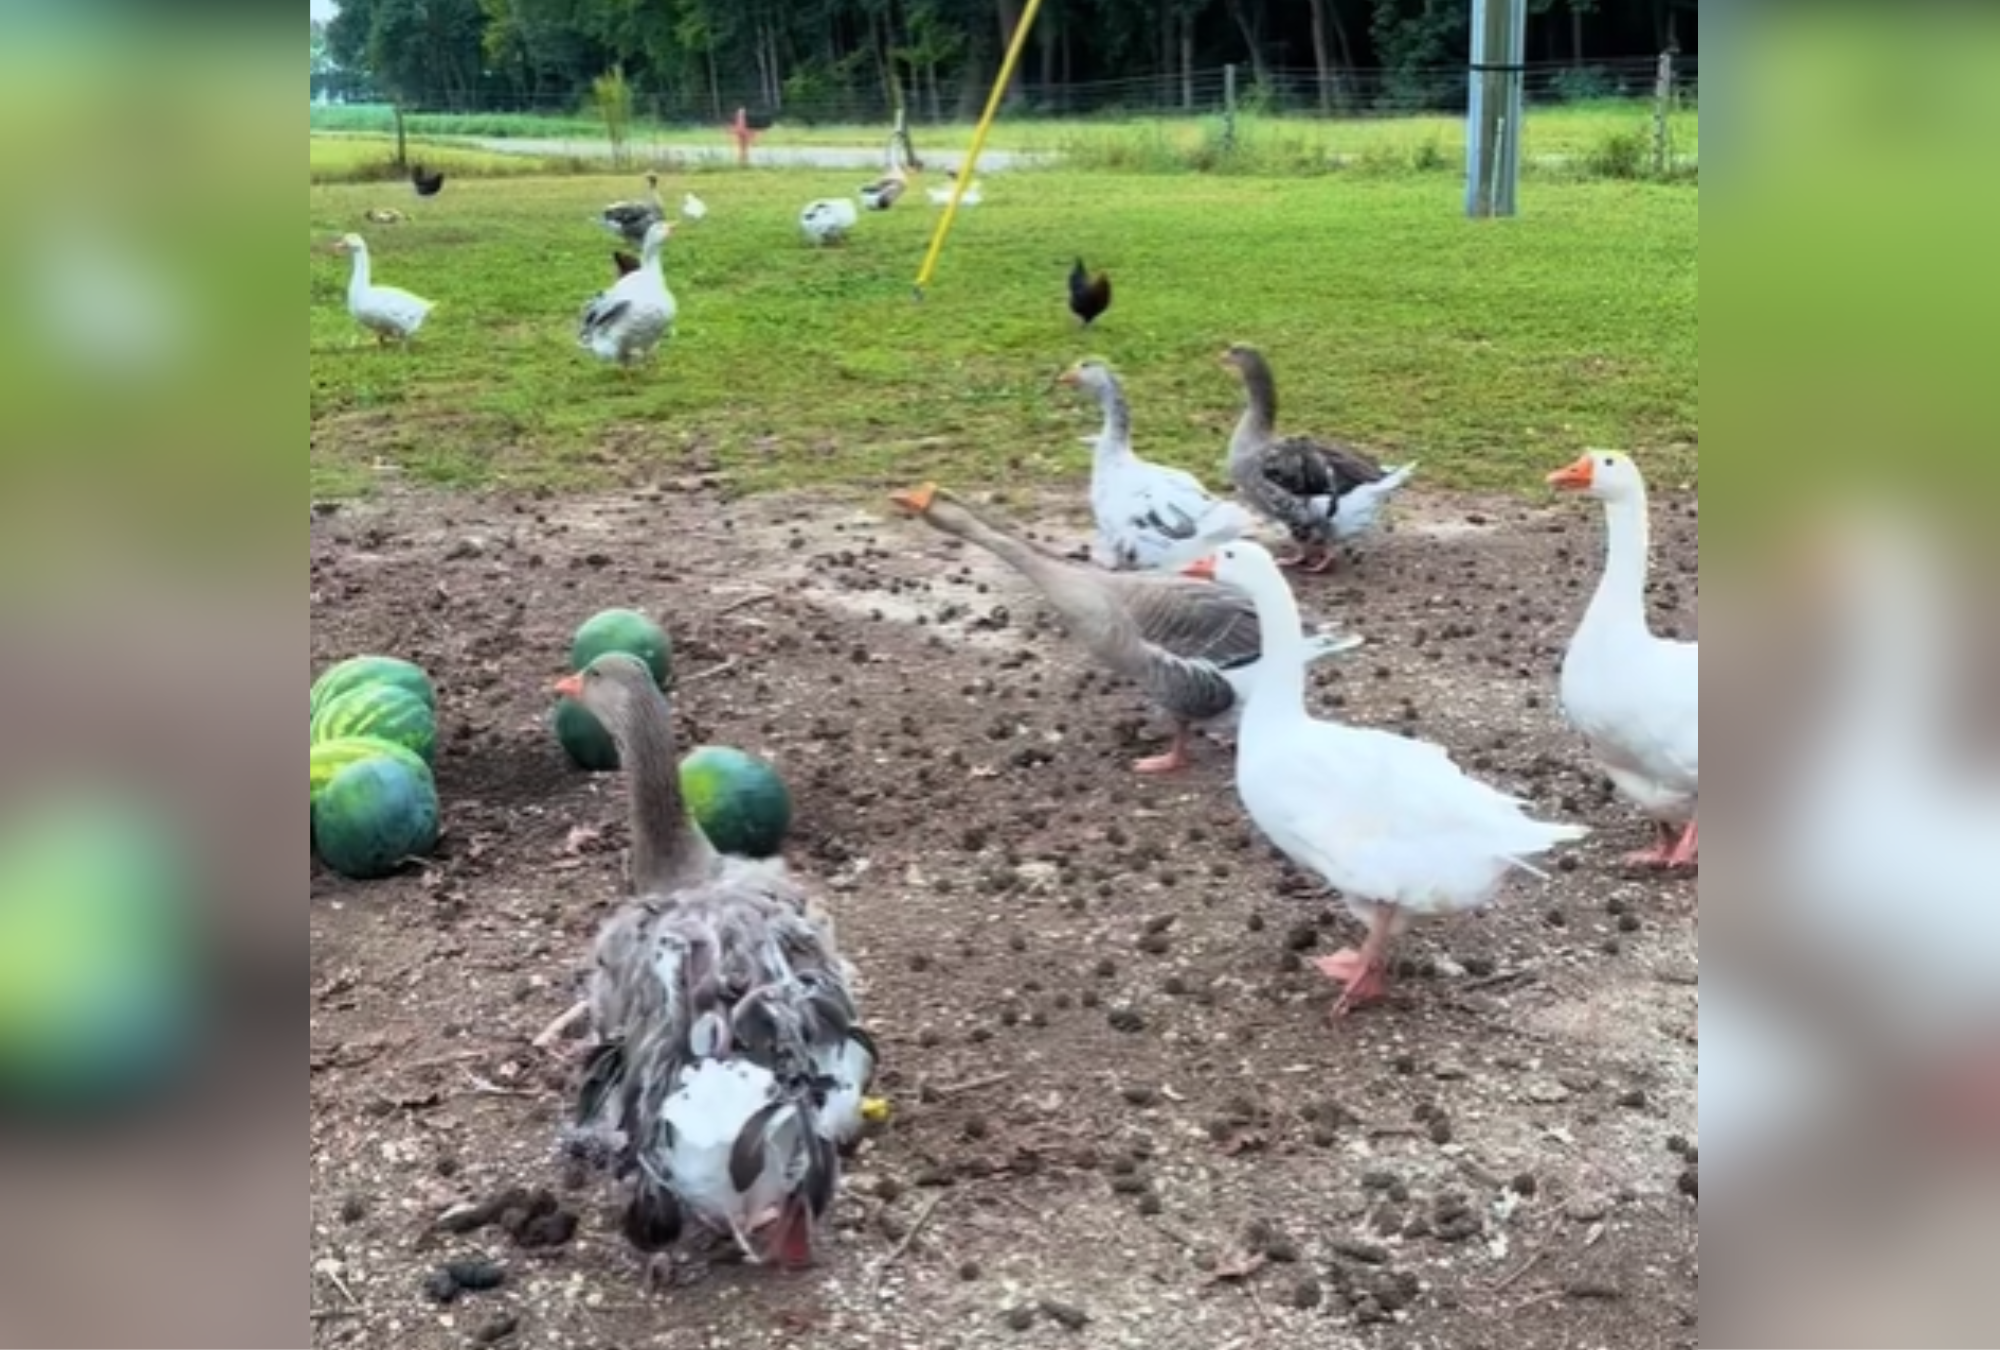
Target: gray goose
[(1193, 647), (728, 1065), (630, 220), (1321, 492)]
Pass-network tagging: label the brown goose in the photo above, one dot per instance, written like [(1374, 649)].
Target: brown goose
[(1321, 492), (1192, 646), (728, 1064)]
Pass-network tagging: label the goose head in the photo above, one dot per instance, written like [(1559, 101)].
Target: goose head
[(618, 690), (935, 505), (352, 244), (1607, 475), (1242, 565), (1093, 377)]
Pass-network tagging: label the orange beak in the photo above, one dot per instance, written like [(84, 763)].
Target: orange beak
[(1068, 378), (1578, 477), (917, 501), (569, 687), (1201, 571)]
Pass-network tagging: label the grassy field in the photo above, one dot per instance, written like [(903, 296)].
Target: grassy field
[(361, 157), (1489, 351), (1575, 132)]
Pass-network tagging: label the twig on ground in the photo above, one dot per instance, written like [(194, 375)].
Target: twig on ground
[(1521, 1272), (557, 1029), (747, 602), (902, 1248), (951, 1090)]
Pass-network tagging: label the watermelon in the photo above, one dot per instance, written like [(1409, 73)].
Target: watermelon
[(384, 712), (588, 745), (330, 757), (101, 980), (623, 630), (374, 816), (584, 738), (364, 672), (739, 801)]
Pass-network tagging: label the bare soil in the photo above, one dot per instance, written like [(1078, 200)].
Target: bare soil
[(1122, 1117)]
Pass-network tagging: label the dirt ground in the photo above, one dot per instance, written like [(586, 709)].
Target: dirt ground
[(1121, 1115)]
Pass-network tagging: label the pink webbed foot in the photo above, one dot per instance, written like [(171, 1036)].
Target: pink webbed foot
[(1173, 761), (1664, 854), (1687, 852), (1365, 982)]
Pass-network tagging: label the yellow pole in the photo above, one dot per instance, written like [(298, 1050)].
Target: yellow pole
[(965, 170)]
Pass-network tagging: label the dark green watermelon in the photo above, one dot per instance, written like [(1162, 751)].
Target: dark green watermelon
[(740, 802), (374, 817)]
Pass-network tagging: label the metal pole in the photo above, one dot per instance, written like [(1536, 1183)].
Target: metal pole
[(1493, 120), (965, 170), (1229, 107)]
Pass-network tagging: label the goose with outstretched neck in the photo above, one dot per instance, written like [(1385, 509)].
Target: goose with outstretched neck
[(1392, 824), (1195, 649), (1150, 517), (728, 1065)]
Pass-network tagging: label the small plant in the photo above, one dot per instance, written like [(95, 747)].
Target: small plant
[(1428, 156), (1620, 154), (613, 99)]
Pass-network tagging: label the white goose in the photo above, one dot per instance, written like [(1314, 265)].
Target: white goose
[(1149, 517), (625, 323), (1634, 696), (1391, 823), (828, 220), (389, 312), (693, 207)]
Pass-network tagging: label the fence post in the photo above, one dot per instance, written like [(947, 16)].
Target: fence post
[(1229, 107), (402, 148), (1663, 103)]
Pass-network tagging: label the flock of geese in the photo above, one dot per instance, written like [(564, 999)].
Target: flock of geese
[(626, 323), (726, 1064)]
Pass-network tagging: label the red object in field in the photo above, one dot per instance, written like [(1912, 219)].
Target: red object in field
[(744, 134)]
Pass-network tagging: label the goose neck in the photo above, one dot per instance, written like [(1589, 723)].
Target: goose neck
[(1620, 602), (667, 849)]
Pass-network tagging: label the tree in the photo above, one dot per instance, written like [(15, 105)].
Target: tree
[(322, 63)]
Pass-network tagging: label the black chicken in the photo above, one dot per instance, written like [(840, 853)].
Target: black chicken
[(426, 184), (1089, 296)]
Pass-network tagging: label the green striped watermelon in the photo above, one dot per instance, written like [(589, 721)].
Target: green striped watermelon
[(365, 672), (384, 712), (583, 737), (374, 816), (739, 801), (330, 757)]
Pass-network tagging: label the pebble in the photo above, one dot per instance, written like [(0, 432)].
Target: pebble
[(1366, 1253), (1548, 1094), (1020, 1318), (497, 1330), (1067, 1315), (1307, 1295), (1587, 1209)]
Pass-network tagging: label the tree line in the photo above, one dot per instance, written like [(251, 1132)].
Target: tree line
[(799, 59)]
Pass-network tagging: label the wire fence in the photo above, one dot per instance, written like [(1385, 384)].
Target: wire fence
[(809, 101)]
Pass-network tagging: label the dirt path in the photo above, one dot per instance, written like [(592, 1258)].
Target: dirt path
[(1113, 1075)]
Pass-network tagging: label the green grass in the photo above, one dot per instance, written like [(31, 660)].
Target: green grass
[(1491, 351), (353, 157)]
